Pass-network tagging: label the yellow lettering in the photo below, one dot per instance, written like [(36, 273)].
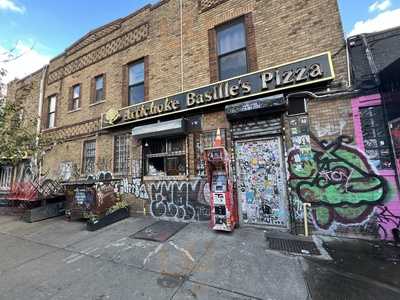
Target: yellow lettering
[(190, 99), (265, 79)]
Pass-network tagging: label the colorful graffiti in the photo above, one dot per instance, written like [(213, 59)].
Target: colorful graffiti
[(388, 222), (341, 185), (338, 174)]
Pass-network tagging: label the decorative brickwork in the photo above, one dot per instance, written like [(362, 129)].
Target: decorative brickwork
[(120, 43), (205, 5), (56, 75), (92, 37), (71, 132)]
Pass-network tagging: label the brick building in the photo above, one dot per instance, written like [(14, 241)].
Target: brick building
[(143, 96)]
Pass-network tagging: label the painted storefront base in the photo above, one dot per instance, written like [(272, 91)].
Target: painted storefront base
[(172, 199)]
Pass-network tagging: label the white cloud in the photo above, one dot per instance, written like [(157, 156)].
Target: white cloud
[(11, 6), (27, 61), (382, 21), (380, 6)]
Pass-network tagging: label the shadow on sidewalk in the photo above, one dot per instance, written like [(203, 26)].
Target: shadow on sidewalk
[(359, 270)]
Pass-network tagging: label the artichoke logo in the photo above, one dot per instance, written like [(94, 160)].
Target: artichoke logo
[(112, 116)]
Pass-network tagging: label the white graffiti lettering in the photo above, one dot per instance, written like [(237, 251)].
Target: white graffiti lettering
[(178, 200)]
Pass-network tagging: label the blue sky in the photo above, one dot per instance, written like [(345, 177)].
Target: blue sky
[(50, 26)]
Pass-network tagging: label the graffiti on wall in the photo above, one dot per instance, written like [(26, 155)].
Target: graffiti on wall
[(338, 174), (388, 222), (135, 187), (65, 170), (26, 171), (178, 200), (182, 200), (323, 129), (341, 185)]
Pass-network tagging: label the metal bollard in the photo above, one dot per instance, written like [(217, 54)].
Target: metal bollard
[(305, 205)]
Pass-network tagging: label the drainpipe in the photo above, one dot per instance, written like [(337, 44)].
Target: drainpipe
[(39, 117), (181, 18), (348, 65)]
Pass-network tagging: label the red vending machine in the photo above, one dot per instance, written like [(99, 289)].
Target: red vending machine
[(223, 205)]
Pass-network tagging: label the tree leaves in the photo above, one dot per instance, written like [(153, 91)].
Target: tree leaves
[(18, 137)]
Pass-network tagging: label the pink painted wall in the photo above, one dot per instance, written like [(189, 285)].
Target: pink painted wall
[(387, 217)]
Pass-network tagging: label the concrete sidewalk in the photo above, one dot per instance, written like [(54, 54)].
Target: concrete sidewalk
[(359, 269), (56, 259)]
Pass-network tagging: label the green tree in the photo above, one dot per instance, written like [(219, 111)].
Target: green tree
[(18, 137)]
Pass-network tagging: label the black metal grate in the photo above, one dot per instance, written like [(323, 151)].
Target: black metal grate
[(160, 231), (293, 246)]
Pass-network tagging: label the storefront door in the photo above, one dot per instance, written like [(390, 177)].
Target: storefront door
[(261, 182)]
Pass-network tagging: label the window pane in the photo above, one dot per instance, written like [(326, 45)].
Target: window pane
[(136, 73), (136, 94), (51, 120), (177, 144), (375, 136), (99, 95), (52, 104), (155, 166), (176, 166), (155, 146), (232, 65), (165, 156), (76, 91), (75, 104), (231, 38), (89, 157), (121, 153), (99, 83)]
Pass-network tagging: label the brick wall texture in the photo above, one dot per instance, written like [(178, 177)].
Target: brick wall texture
[(281, 31)]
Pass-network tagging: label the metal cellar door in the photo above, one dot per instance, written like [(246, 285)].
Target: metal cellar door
[(261, 187)]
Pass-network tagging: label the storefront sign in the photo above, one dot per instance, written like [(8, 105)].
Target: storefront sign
[(303, 72)]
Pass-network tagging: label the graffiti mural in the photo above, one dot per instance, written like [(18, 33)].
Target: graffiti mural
[(181, 200), (136, 187), (388, 222), (65, 170), (338, 174), (260, 184), (341, 185)]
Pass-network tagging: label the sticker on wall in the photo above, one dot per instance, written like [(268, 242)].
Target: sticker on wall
[(261, 188)]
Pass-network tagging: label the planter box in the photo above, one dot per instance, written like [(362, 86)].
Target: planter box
[(50, 210), (116, 216)]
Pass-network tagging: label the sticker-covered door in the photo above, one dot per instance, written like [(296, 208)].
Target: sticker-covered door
[(261, 187)]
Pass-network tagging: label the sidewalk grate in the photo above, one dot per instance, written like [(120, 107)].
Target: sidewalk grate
[(293, 246), (159, 231)]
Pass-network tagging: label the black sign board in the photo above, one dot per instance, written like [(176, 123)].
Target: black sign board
[(299, 73)]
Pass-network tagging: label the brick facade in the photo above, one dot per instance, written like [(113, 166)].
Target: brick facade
[(277, 33)]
